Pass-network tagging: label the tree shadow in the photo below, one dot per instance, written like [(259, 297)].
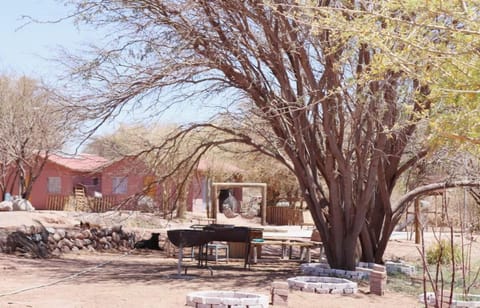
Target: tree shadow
[(153, 268)]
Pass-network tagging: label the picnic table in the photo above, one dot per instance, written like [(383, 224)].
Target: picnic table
[(287, 244)]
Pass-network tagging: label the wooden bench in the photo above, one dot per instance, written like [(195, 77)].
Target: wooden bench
[(287, 247)]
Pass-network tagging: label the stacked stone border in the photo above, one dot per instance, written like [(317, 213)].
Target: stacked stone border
[(400, 267), (322, 285), (393, 267), (362, 271), (226, 299), (473, 301), (322, 269)]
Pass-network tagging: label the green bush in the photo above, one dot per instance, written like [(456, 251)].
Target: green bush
[(441, 253)]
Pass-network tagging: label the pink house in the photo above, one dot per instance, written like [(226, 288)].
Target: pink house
[(93, 175), (111, 182)]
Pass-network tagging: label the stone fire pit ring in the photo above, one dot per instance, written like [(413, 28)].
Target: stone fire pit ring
[(322, 285), (227, 299)]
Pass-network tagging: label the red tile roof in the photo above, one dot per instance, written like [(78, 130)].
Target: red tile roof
[(80, 162)]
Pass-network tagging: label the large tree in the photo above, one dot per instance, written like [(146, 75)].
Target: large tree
[(333, 90)]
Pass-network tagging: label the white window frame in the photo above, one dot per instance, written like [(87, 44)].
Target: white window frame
[(54, 185), (119, 185)]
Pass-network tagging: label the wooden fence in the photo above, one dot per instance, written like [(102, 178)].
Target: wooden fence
[(68, 203), (58, 202), (103, 204), (277, 215)]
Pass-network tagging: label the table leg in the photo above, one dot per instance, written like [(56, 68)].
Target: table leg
[(284, 251), (180, 257)]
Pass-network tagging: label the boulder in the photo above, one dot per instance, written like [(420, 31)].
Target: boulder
[(22, 205), (6, 206), (78, 243), (57, 237), (62, 233)]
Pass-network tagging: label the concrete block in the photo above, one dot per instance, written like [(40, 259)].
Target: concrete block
[(280, 285), (349, 290), (322, 291)]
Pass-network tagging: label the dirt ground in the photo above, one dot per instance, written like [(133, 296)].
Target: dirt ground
[(147, 278)]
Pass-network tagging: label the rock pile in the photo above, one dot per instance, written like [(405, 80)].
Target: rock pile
[(17, 204), (63, 241), (90, 239)]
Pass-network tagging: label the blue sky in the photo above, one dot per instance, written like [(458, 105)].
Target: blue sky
[(25, 50)]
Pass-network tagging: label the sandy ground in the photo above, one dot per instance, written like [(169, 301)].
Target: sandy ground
[(147, 278)]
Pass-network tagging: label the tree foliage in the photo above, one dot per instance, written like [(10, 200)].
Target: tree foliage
[(333, 90)]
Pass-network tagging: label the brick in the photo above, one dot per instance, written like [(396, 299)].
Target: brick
[(250, 301), (378, 274), (379, 268), (362, 269), (349, 290), (322, 291), (229, 301), (214, 300), (198, 299)]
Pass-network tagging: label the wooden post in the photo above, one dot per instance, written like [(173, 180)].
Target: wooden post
[(264, 205), (214, 202), (417, 221)]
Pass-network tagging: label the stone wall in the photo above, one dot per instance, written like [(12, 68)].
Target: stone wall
[(61, 240)]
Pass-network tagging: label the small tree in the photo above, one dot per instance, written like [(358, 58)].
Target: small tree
[(31, 126)]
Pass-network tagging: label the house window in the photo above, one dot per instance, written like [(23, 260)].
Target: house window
[(54, 185), (95, 181), (119, 185)]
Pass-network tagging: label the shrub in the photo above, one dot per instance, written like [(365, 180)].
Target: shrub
[(441, 253)]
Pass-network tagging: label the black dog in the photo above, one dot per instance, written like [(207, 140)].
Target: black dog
[(151, 243)]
